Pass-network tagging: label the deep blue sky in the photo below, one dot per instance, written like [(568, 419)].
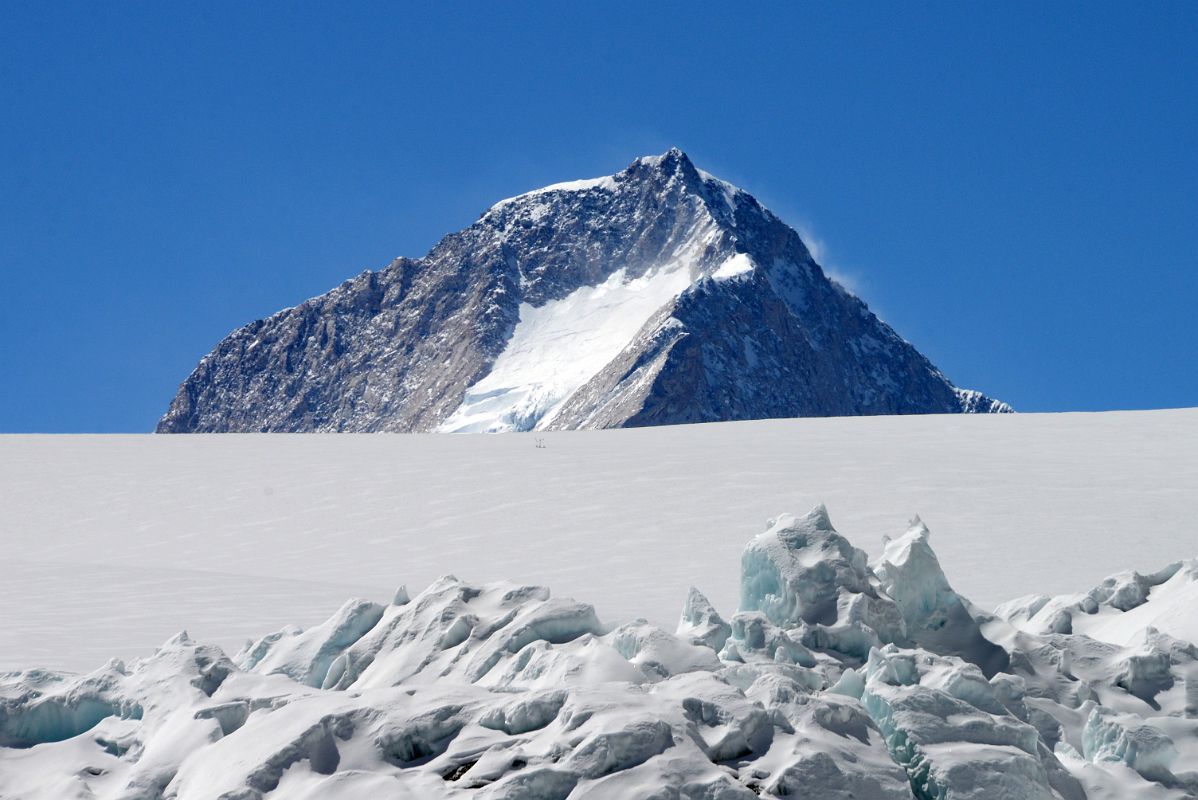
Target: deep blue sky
[(1014, 187)]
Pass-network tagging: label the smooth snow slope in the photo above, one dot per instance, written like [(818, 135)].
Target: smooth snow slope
[(557, 348), (112, 543)]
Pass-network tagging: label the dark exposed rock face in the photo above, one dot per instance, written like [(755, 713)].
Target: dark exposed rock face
[(748, 327)]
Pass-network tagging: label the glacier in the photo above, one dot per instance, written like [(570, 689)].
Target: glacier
[(833, 677)]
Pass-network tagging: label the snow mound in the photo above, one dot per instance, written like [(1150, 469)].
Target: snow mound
[(1119, 608), (833, 679)]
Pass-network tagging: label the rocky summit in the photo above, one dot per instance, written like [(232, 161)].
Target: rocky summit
[(659, 295)]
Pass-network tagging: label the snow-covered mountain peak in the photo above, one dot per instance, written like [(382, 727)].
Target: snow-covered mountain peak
[(670, 173), (672, 162), (655, 295), (673, 156)]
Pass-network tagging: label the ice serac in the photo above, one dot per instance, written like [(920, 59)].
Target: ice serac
[(954, 735), (825, 684), (657, 295), (306, 656), (805, 577), (937, 618), (701, 623), (1128, 739)]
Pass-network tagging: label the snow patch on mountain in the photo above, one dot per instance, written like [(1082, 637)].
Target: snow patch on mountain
[(606, 182), (738, 264), (558, 346)]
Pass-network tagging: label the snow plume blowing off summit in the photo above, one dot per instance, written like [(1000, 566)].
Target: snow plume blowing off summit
[(655, 296), (836, 678)]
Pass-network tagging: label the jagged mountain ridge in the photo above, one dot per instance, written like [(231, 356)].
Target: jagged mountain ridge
[(659, 295)]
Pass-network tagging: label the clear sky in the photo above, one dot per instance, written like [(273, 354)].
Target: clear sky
[(1013, 186)]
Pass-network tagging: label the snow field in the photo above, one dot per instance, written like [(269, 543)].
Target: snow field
[(114, 543)]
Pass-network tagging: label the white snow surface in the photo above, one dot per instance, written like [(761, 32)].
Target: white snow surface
[(114, 543), (568, 340), (738, 264), (1171, 608), (1120, 609)]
